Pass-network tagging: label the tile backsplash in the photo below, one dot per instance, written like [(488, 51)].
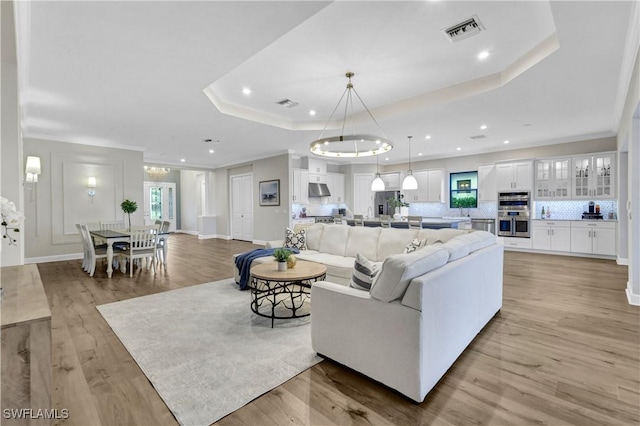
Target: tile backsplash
[(486, 209), (572, 210)]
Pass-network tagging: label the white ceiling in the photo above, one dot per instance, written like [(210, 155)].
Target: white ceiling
[(143, 75)]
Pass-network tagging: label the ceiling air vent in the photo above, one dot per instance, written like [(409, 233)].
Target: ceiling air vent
[(288, 103), (478, 137), (465, 29)]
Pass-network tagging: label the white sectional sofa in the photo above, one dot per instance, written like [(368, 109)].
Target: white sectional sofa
[(336, 246), (423, 308)]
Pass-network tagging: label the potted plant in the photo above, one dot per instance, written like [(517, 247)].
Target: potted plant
[(464, 203), (282, 255), (398, 204), (129, 207)]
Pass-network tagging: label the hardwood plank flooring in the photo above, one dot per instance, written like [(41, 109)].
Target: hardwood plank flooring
[(564, 349)]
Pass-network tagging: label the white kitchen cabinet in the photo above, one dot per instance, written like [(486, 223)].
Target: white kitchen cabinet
[(552, 179), (316, 178), (391, 180), (487, 183), (515, 242), (316, 166), (362, 194), (335, 182), (593, 237), (300, 186), (594, 176), (514, 176), (430, 187), (551, 235)]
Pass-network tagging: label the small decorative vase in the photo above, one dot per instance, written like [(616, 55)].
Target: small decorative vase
[(282, 266), (397, 215), (291, 262)]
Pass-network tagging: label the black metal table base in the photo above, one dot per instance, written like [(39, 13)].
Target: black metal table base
[(287, 295)]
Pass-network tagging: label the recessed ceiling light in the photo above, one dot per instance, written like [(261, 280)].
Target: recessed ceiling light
[(419, 154), (428, 137), (386, 159), (483, 127), (506, 142), (182, 160), (312, 112), (211, 151), (483, 55), (458, 149), (246, 91)]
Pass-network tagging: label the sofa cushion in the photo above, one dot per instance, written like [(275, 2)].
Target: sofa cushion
[(364, 271), (393, 241), (443, 235), (337, 266), (363, 240), (314, 233), (399, 269), (296, 240), (334, 238), (457, 247), (479, 240), (412, 246)]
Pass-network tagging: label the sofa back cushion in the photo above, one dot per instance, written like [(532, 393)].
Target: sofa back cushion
[(363, 240), (458, 247), (334, 239), (398, 270), (394, 241), (443, 235), (479, 240), (314, 235)]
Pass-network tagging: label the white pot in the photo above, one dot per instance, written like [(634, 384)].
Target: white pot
[(282, 266)]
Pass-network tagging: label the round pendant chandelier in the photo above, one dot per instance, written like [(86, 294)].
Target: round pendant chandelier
[(350, 145), (157, 173)]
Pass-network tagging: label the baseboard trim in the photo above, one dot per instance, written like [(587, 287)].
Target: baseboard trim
[(180, 231), (623, 261), (206, 237), (56, 258), (259, 242), (633, 299)]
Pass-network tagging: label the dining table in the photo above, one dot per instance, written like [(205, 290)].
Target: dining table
[(110, 237)]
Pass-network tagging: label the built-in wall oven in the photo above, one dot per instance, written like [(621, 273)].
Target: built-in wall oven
[(514, 214)]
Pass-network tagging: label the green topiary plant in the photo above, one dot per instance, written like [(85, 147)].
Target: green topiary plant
[(397, 202), (129, 207), (281, 254)]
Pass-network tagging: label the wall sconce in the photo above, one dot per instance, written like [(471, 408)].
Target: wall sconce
[(32, 170), (91, 183)]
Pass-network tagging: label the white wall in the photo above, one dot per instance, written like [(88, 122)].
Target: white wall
[(189, 200), (61, 199), (11, 144)]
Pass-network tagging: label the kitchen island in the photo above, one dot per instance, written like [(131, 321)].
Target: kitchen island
[(427, 222)]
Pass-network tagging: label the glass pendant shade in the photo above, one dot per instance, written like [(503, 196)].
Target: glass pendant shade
[(377, 184), (409, 182)]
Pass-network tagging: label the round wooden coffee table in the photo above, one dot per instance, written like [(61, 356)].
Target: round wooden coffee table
[(286, 290)]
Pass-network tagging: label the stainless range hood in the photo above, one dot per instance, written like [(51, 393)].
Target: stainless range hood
[(318, 190)]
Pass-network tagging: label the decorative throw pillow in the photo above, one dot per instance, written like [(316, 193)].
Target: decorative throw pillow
[(364, 271), (413, 246), (296, 240)]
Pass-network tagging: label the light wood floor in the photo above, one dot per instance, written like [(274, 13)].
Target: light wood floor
[(565, 349)]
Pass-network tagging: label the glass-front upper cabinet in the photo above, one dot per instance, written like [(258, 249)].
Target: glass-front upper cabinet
[(594, 176), (552, 179)]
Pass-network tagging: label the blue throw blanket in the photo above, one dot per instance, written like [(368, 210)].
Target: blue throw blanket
[(243, 262)]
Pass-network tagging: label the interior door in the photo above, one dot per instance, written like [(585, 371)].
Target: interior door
[(242, 207)]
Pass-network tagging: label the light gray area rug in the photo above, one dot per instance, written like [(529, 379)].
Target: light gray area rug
[(205, 352)]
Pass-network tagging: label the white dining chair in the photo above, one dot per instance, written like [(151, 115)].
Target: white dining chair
[(114, 225), (358, 220), (385, 221), (142, 245), (415, 222), (162, 241), (92, 252)]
